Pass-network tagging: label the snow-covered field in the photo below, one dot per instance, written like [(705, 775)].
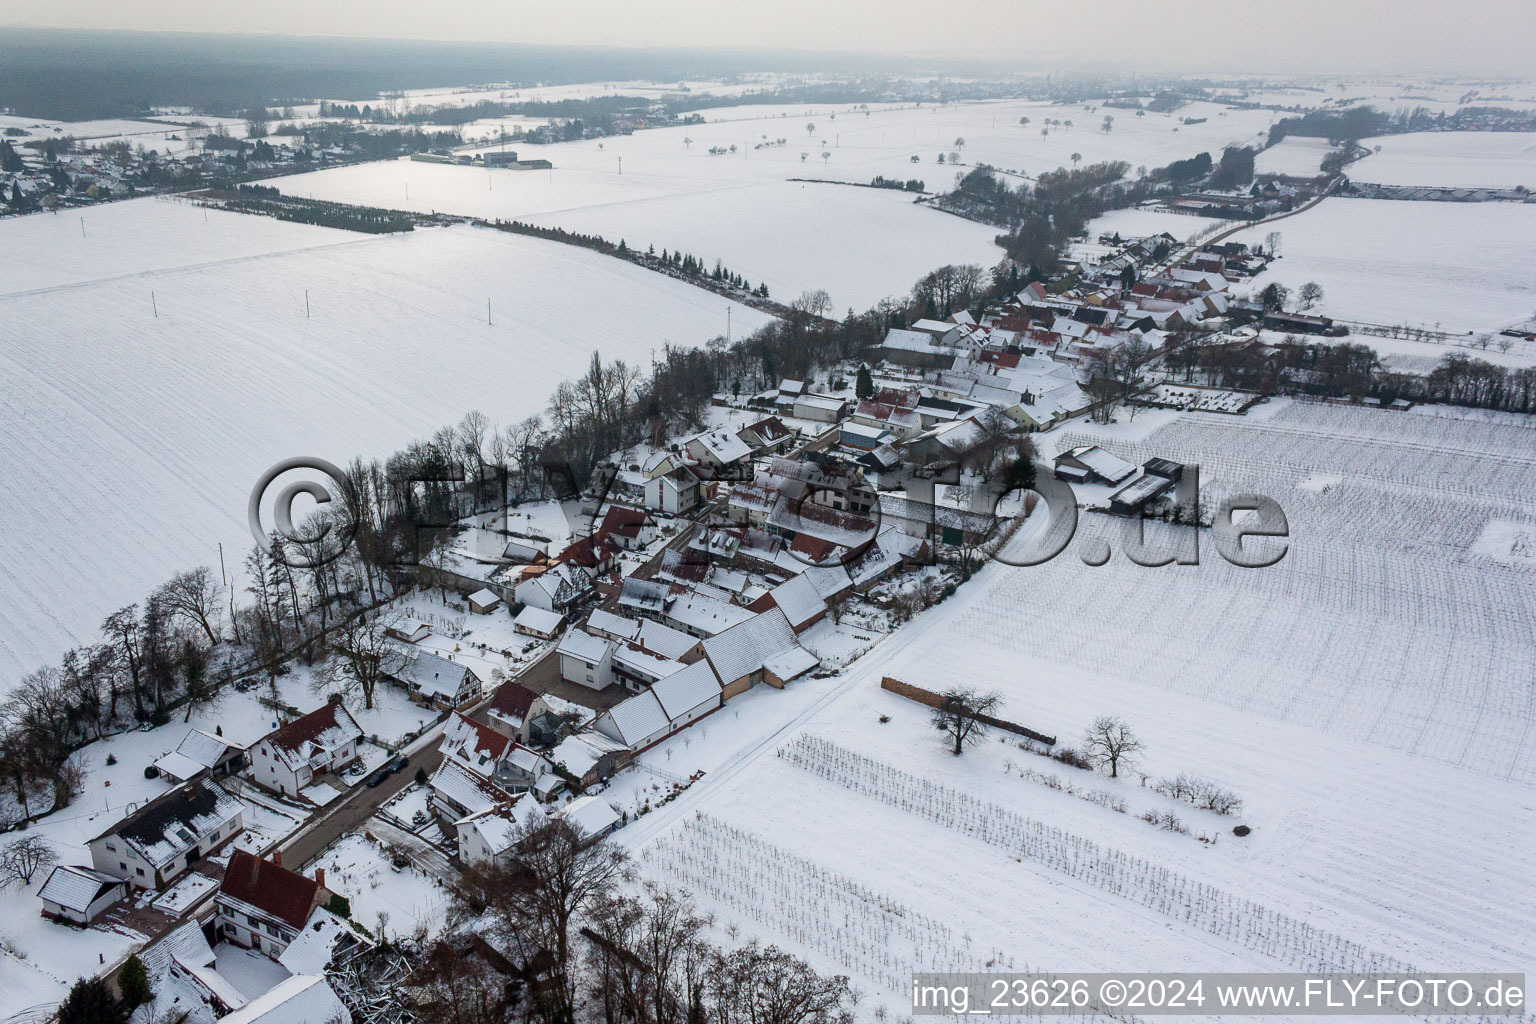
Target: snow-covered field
[(1368, 698), (665, 187), (133, 441), (1461, 266), (1296, 157), (1464, 159)]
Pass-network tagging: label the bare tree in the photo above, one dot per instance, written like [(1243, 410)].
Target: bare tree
[(765, 985), (1272, 244), (195, 596), (1310, 295), (364, 655), (957, 717), (1110, 742), (530, 901), (22, 859)]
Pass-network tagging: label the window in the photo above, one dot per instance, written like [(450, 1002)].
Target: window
[(111, 848), (124, 867), (140, 871)]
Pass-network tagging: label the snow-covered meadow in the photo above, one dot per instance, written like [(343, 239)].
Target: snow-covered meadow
[(134, 439), (665, 187), (1368, 698), (1450, 159), (1461, 267)]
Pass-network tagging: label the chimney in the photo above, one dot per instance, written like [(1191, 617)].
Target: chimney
[(277, 857), (320, 877)]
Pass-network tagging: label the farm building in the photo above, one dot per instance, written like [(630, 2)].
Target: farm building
[(537, 622), (79, 894), (1090, 464), (484, 601)]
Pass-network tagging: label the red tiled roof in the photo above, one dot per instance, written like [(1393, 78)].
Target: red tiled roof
[(286, 895), (307, 728), (512, 699)]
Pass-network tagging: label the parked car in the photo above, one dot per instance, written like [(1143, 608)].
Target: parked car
[(397, 764), (376, 778)]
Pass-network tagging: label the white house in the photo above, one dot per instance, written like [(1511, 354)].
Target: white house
[(537, 622), (489, 836), (261, 905), (555, 589), (591, 816), (675, 491), (290, 758), (673, 703), (158, 842), (79, 894)]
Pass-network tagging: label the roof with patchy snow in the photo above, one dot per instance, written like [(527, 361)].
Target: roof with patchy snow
[(327, 728)]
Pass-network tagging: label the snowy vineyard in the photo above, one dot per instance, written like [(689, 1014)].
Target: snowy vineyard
[(1201, 906), (862, 931)]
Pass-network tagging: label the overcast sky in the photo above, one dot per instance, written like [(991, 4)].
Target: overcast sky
[(1469, 36)]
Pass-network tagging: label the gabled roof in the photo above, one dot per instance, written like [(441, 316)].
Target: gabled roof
[(511, 701), (538, 620), (742, 649), (475, 746), (580, 752), (635, 720), (578, 643), (270, 888), (590, 815), (722, 445), (767, 430), (501, 826), (76, 888), (324, 729), (622, 521), (797, 598), (171, 822), (684, 690), (432, 675), (457, 783), (301, 999), (615, 626)]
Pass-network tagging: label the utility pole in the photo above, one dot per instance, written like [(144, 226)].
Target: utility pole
[(222, 574), (306, 303), (621, 165), (727, 323), (488, 313), (153, 305), (82, 227)]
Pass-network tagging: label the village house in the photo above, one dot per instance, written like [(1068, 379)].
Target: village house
[(762, 649), (556, 588), (676, 491), (537, 622), (261, 905), (491, 836), (435, 681), (200, 752), (590, 757), (672, 704), (1091, 464), (160, 841), (79, 894), (509, 706), (291, 757), (767, 436)]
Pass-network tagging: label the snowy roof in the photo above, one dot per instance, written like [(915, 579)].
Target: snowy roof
[(789, 664), (685, 690), (664, 640), (511, 702), (205, 748), (327, 728), (477, 747), (579, 754), (268, 887), (485, 595), (76, 888), (563, 582), (643, 662), (1110, 467), (722, 445), (706, 614), (911, 341), (312, 950), (179, 766), (742, 649), (799, 600), (590, 815), (456, 783), (648, 595), (171, 823), (186, 945), (538, 620), (829, 580), (578, 643), (432, 675), (501, 826), (301, 999), (615, 626), (636, 720)]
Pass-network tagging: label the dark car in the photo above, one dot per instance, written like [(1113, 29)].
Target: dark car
[(397, 764), (377, 778)]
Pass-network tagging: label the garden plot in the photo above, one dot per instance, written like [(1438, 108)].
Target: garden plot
[(1180, 396), (167, 422), (387, 900), (1460, 267), (1450, 159)]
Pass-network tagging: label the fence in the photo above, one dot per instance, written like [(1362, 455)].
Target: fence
[(938, 700)]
